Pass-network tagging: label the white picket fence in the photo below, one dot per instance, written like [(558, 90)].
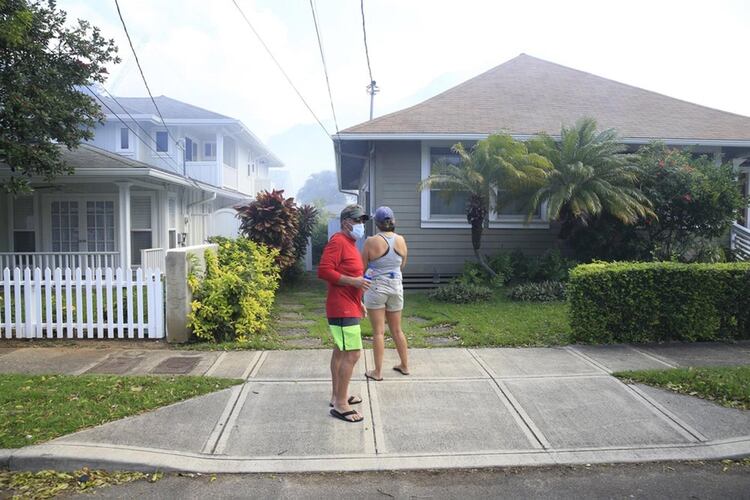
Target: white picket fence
[(76, 304)]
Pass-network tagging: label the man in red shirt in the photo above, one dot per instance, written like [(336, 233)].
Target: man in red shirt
[(341, 266)]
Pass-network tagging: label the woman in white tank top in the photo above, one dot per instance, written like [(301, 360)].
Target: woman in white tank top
[(384, 257)]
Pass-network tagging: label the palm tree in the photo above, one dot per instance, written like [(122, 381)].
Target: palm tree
[(592, 176), (498, 161)]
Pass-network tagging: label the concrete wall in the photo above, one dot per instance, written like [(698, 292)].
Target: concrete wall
[(178, 294), (397, 173)]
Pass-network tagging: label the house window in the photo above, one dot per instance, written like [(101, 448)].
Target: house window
[(442, 204), (251, 168), (172, 222), (209, 150), (162, 142), (141, 237), (124, 139), (100, 226), (24, 236)]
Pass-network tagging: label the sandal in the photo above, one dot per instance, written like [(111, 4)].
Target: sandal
[(400, 370), (372, 377), (342, 416), (353, 400)]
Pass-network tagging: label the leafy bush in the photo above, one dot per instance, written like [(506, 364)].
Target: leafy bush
[(319, 238), (659, 301), (550, 266), (272, 220), (308, 217), (458, 292), (544, 291), (233, 299), (474, 274)]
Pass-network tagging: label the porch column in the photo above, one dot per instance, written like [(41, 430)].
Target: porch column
[(124, 220), (219, 160)]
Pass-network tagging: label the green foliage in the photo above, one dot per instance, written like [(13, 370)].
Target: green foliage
[(726, 385), (308, 218), (474, 274), (233, 300), (323, 186), (43, 60), (592, 175), (543, 291), (659, 301), (550, 266), (496, 161), (458, 292), (273, 221), (319, 238)]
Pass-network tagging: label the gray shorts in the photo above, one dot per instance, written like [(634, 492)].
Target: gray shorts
[(385, 293)]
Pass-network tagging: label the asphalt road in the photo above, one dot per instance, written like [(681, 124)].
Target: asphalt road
[(653, 480)]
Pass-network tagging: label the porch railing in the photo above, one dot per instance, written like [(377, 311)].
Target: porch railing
[(153, 258), (740, 241), (52, 260)]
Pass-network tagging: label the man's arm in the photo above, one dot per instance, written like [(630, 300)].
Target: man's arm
[(327, 269)]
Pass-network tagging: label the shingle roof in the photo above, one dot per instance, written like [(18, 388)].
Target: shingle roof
[(170, 108), (527, 95)]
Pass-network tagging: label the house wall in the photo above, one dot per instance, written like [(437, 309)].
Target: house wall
[(397, 166)]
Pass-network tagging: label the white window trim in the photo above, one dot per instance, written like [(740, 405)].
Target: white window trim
[(428, 221), (131, 143), (46, 215)]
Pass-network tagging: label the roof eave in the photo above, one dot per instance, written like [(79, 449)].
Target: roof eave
[(422, 136)]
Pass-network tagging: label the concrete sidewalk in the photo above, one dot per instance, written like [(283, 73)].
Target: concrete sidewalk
[(459, 408)]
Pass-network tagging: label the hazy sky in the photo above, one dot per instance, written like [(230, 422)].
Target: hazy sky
[(202, 52)]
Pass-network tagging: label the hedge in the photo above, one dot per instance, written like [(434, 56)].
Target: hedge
[(659, 301)]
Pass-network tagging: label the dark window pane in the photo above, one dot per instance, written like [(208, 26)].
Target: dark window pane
[(162, 145), (441, 205), (124, 138), (23, 241), (139, 240)]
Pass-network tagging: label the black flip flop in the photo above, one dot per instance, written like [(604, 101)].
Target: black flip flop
[(342, 416), (402, 372), (367, 375), (353, 400)]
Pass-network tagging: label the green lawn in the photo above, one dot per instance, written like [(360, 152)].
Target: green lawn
[(36, 408), (498, 322), (727, 386)]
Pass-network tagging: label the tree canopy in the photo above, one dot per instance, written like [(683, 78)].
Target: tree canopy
[(43, 63), (322, 188)]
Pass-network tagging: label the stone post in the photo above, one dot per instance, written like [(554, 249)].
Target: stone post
[(179, 297)]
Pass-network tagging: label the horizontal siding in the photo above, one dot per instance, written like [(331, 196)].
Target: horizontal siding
[(442, 251)]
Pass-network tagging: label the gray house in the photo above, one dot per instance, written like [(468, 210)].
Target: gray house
[(383, 160)]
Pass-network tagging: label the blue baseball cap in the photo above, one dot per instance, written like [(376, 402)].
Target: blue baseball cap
[(383, 214)]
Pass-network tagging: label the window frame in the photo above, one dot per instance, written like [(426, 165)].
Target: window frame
[(496, 221), (118, 141), (156, 143)]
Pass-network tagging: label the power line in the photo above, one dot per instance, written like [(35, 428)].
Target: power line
[(289, 80), (325, 67), (372, 88), (364, 34), (143, 77)]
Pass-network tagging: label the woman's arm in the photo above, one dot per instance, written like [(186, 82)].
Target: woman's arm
[(404, 252), (366, 253)]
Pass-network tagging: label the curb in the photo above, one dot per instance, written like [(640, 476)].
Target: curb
[(72, 456)]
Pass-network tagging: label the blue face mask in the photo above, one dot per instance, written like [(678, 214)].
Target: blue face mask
[(358, 231)]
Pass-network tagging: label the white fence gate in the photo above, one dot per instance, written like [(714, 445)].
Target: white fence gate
[(73, 304)]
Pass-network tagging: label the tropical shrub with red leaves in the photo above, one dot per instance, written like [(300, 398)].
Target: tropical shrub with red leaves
[(272, 220)]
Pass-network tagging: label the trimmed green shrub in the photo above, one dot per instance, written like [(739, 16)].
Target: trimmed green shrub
[(458, 292), (659, 301), (233, 298), (550, 266), (544, 291)]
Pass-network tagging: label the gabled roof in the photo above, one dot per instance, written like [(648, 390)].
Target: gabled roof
[(526, 95), (171, 109)]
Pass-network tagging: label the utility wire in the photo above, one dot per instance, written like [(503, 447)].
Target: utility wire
[(325, 67), (364, 34), (143, 77), (289, 80)]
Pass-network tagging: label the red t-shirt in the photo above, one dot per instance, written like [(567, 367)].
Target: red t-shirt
[(340, 256)]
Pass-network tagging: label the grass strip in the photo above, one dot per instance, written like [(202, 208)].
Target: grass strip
[(37, 408), (728, 386)]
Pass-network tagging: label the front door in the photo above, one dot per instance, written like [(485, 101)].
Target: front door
[(82, 226)]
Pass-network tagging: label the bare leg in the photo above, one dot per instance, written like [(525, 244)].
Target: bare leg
[(394, 324), (377, 319), (345, 369), (335, 361)]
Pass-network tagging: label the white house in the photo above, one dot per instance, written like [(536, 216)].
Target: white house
[(137, 189)]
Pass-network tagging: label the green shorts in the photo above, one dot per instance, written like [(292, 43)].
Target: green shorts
[(346, 333)]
